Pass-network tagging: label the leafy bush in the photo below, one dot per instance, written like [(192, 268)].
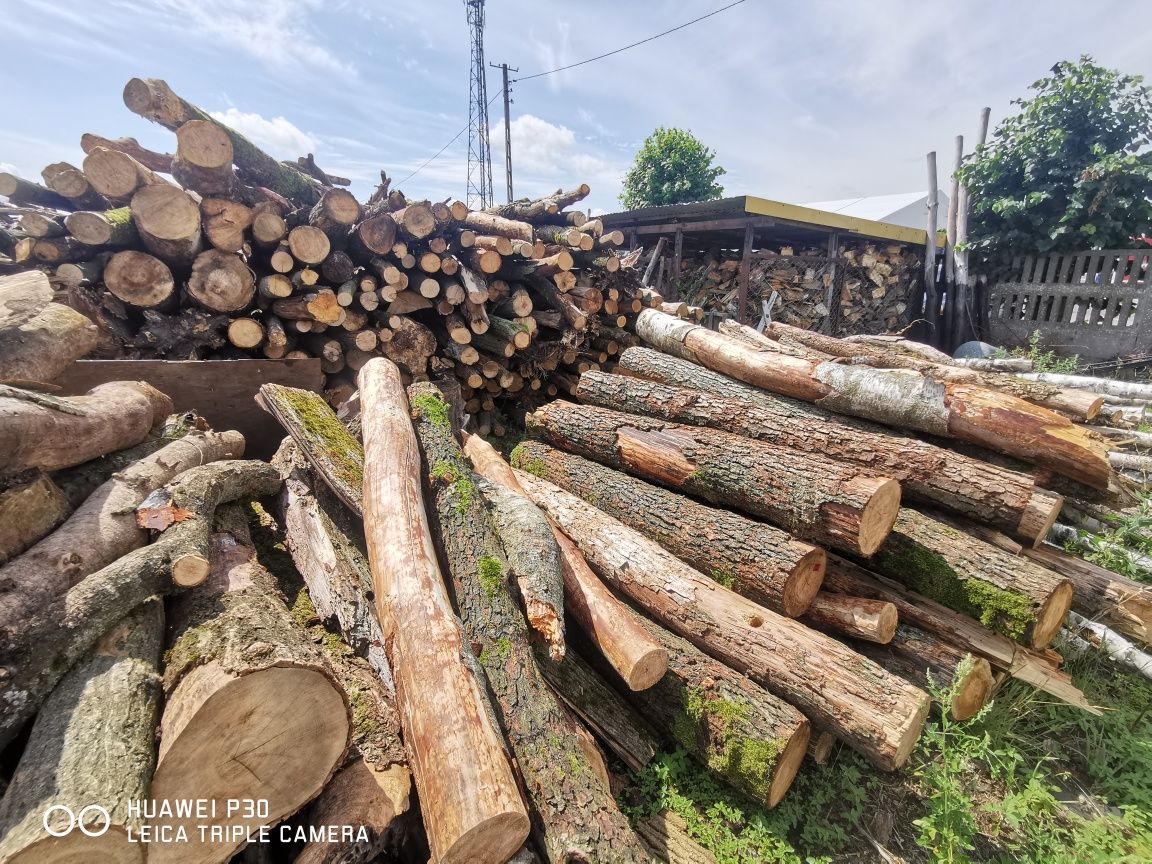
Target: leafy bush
[(672, 167)]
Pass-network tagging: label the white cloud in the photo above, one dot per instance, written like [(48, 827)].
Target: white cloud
[(545, 155), (8, 168), (279, 136)]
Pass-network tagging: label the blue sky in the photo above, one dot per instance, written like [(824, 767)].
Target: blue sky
[(802, 101)]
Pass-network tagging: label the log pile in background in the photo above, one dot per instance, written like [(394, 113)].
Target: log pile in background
[(868, 284)]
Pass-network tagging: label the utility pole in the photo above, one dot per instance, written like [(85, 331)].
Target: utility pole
[(507, 129)]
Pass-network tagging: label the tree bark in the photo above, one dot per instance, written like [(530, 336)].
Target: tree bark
[(154, 100), (1007, 500), (37, 650), (76, 429), (93, 743), (1006, 593), (874, 712), (573, 811), (899, 398), (44, 347), (860, 617), (168, 221), (753, 559), (634, 655), (242, 682), (148, 158), (488, 223), (813, 498), (31, 505), (221, 282), (740, 731), (20, 191), (104, 527), (471, 807), (1101, 595)]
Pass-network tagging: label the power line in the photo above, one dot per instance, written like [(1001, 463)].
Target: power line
[(633, 45), (433, 158)]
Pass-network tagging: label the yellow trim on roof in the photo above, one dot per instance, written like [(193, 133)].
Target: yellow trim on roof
[(868, 227)]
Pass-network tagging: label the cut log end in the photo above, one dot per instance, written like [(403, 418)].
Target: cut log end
[(973, 690), (875, 520), (190, 570), (801, 587), (1050, 617), (495, 839), (788, 764), (1040, 514)]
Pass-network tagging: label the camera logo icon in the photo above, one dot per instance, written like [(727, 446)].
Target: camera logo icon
[(93, 821)]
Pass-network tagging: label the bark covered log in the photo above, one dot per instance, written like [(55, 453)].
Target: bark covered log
[(814, 498), (238, 661), (109, 417), (876, 713), (901, 398), (38, 649), (471, 806), (93, 743), (573, 811), (859, 617), (753, 559), (1007, 500), (42, 348), (31, 505)]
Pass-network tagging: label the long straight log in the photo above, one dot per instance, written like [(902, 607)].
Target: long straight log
[(43, 348), (1105, 386), (470, 802), (1010, 501), (874, 712), (900, 398), (740, 731), (488, 223), (104, 527), (93, 743), (573, 811), (753, 559), (637, 658), (1006, 593), (56, 433), (154, 100), (813, 498), (37, 650), (21, 191)]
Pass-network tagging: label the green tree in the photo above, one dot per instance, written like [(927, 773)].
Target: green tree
[(1071, 170), (672, 167)]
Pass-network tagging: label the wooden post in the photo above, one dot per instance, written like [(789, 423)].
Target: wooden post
[(931, 299), (831, 293), (677, 251), (632, 239), (742, 302), (966, 326), (949, 323), (653, 264)]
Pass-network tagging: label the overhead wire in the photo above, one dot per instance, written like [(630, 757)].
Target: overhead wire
[(433, 157)]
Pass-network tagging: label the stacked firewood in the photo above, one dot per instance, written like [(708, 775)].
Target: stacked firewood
[(864, 289), (220, 251)]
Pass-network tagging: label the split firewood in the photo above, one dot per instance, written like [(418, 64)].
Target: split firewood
[(899, 398), (753, 559), (472, 809), (876, 713), (37, 650), (1011, 595), (237, 661), (42, 348), (75, 429), (92, 743), (635, 656), (1004, 499), (813, 498), (31, 505), (573, 811)]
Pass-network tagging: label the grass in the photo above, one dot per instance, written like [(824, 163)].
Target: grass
[(1042, 361)]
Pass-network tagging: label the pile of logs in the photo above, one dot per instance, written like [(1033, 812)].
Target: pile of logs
[(865, 288), (219, 251)]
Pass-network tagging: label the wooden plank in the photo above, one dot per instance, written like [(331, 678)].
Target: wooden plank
[(222, 391), (714, 225)]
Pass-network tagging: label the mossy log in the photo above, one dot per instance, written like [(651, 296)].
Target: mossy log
[(573, 811), (813, 498), (92, 743), (469, 798), (1009, 594), (58, 433), (602, 709), (761, 562), (43, 348), (38, 649), (901, 398), (31, 505), (244, 685), (635, 656), (107, 228), (154, 100), (873, 711), (1010, 501), (740, 731), (104, 527)]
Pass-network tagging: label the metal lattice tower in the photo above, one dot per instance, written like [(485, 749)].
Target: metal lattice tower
[(479, 157)]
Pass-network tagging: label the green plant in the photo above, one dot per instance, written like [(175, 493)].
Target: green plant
[(1043, 361), (1069, 171), (672, 167)]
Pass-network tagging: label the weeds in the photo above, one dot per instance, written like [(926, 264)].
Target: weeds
[(1042, 361)]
